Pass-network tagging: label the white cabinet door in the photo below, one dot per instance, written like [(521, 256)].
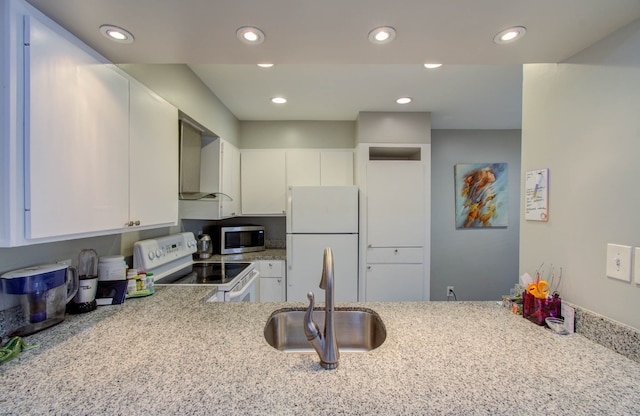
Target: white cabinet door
[(76, 138), (303, 168), (262, 176), (336, 167), (395, 204), (394, 282), (272, 280), (154, 158), (230, 180)]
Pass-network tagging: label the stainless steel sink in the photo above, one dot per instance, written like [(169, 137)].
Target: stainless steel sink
[(357, 329)]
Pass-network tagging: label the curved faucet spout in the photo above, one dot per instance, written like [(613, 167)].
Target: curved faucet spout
[(324, 343)]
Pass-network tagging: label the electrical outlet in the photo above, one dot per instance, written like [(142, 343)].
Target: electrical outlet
[(619, 262), (449, 291)]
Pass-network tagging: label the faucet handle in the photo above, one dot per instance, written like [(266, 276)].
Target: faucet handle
[(311, 329)]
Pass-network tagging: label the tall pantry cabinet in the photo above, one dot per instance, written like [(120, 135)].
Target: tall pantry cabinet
[(394, 187)]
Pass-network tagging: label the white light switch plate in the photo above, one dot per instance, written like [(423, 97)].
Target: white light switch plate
[(636, 268), (619, 262)]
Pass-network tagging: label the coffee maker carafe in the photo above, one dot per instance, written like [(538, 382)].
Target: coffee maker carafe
[(85, 300), (40, 295)]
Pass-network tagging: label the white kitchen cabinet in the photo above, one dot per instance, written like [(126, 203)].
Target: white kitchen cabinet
[(303, 167), (394, 223), (330, 167), (230, 181), (272, 280), (336, 167), (76, 138), (263, 181), (395, 190), (219, 175), (153, 157)]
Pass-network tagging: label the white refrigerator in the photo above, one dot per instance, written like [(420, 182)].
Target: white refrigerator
[(320, 217)]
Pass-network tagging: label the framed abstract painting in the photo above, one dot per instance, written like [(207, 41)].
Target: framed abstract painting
[(481, 195)]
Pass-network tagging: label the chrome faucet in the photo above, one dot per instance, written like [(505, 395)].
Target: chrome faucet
[(324, 343)]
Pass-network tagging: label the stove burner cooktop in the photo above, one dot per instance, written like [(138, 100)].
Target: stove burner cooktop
[(207, 273)]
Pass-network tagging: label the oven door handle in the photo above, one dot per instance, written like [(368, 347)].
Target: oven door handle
[(233, 295)]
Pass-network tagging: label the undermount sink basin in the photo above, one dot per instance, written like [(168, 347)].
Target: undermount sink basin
[(357, 329)]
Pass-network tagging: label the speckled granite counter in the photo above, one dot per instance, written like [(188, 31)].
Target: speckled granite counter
[(268, 254), (171, 353)]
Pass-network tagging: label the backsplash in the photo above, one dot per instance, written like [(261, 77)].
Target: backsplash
[(614, 335)]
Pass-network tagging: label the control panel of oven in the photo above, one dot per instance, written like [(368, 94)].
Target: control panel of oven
[(156, 252)]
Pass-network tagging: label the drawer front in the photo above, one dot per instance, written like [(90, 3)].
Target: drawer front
[(394, 255), (271, 268)]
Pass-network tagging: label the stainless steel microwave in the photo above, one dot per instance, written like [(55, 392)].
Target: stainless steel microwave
[(237, 239)]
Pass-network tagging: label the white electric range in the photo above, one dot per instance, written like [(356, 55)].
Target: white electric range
[(170, 259)]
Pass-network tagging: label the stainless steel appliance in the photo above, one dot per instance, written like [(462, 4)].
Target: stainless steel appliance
[(170, 259), (237, 239), (205, 247), (42, 292)]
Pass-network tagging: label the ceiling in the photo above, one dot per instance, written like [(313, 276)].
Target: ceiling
[(327, 68)]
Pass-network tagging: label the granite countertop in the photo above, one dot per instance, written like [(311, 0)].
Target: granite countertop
[(172, 353), (268, 254)]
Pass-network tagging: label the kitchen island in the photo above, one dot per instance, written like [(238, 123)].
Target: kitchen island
[(172, 353)]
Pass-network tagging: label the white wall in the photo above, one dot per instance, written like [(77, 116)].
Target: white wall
[(581, 119)]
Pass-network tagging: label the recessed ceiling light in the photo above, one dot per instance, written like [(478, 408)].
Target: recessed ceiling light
[(382, 34), (278, 100), (404, 100), (250, 35), (432, 66), (509, 35), (116, 34), (265, 65)]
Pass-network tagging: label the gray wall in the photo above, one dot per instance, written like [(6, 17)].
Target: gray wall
[(178, 84), (393, 127), (581, 120), (481, 264), (297, 134)]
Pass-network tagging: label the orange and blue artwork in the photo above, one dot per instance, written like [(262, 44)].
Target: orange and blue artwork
[(481, 195)]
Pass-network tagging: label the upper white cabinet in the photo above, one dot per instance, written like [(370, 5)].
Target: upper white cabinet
[(336, 167), (153, 159), (76, 138), (330, 167), (266, 175), (263, 186), (230, 180), (303, 168), (84, 140)]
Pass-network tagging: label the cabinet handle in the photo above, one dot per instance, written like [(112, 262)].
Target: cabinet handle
[(128, 224), (395, 251), (137, 222)]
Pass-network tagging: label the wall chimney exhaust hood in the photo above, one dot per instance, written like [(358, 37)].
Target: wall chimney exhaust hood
[(193, 137)]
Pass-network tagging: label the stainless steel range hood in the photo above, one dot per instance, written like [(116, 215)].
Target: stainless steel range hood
[(193, 137)]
